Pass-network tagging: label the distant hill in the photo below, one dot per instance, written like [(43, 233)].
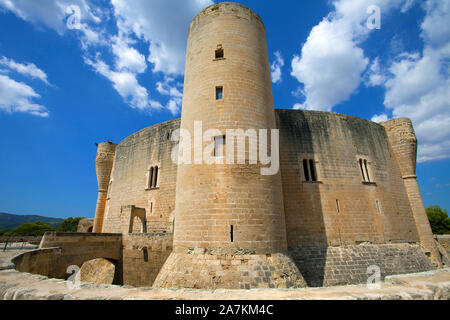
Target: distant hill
[(9, 221)]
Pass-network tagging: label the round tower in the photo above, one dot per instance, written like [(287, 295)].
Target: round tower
[(229, 218), (403, 141), (103, 165)]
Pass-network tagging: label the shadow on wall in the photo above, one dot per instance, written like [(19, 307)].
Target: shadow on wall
[(302, 197)]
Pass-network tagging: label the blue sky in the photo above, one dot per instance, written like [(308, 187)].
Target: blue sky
[(76, 72)]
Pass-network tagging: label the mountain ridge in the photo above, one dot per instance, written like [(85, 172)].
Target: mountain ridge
[(10, 221)]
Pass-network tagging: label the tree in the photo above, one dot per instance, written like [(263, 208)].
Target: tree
[(439, 220), (30, 229), (1, 232), (69, 225)]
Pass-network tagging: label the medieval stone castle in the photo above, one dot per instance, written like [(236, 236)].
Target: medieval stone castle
[(344, 199)]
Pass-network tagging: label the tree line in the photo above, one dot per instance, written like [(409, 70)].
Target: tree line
[(38, 228)]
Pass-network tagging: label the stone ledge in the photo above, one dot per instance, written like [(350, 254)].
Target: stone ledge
[(434, 285)]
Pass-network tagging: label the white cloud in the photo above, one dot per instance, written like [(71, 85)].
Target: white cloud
[(128, 58), (276, 66), (419, 85), (375, 76), (159, 24), (174, 90), (28, 69), (51, 13), (163, 24), (331, 64), (380, 118), (126, 84), (18, 97)]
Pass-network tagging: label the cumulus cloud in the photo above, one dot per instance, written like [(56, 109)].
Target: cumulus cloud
[(18, 97), (380, 117), (126, 84), (419, 86), (51, 13), (331, 64), (128, 58), (161, 23), (276, 66), (26, 69), (375, 76), (169, 87)]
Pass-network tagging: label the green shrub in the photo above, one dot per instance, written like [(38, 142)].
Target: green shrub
[(69, 225), (439, 220), (30, 229)]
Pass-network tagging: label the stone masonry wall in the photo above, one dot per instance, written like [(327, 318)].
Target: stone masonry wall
[(323, 266), (143, 257), (197, 270), (340, 208), (75, 249), (129, 180)]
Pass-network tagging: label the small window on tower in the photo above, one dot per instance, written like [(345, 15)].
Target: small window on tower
[(219, 52), (219, 146), (219, 93)]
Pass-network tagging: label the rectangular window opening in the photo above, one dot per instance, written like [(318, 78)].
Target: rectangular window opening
[(219, 146), (232, 233), (338, 207), (219, 93), (219, 52)]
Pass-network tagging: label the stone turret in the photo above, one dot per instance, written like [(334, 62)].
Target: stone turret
[(403, 142), (103, 164), (229, 218)]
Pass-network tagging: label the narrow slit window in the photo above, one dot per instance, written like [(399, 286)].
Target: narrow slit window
[(219, 93), (377, 203), (219, 52), (338, 207), (232, 233), (219, 146)]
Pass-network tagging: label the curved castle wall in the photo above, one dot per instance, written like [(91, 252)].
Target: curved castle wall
[(341, 208), (129, 184)]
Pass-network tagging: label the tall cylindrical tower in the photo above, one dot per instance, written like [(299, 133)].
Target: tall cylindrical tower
[(403, 141), (227, 214), (103, 164)]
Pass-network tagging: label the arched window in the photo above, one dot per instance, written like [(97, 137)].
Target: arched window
[(365, 167), (152, 182), (310, 170)]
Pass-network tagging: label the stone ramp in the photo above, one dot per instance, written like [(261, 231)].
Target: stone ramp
[(433, 285)]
